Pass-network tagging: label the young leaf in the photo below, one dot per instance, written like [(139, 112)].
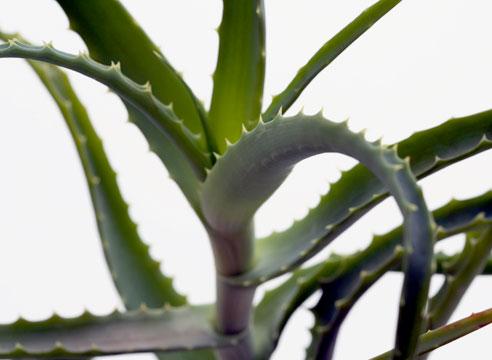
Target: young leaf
[(324, 56), (240, 72)]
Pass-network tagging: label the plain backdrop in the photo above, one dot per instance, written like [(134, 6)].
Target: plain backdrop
[(426, 61)]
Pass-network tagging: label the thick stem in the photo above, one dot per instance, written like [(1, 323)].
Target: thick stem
[(233, 306), (233, 255), (233, 252)]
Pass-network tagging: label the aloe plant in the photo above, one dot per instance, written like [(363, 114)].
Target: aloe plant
[(228, 160)]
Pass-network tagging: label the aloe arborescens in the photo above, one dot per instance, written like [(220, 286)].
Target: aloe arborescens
[(228, 160)]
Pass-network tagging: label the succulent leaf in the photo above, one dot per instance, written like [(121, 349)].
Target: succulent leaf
[(143, 330), (358, 191), (470, 263), (157, 121), (136, 275), (142, 61), (276, 307), (336, 302), (249, 173), (240, 72), (434, 339)]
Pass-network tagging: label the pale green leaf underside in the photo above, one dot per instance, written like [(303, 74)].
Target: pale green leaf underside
[(253, 168), (358, 191)]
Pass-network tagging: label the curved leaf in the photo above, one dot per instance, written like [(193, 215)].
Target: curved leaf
[(240, 72), (124, 41), (141, 60), (358, 191), (253, 168), (324, 56), (157, 121), (136, 275)]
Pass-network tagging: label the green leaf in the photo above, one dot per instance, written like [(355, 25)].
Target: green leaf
[(240, 72), (253, 168), (143, 330), (276, 307), (156, 120), (439, 337), (141, 60), (125, 42), (336, 302), (358, 191), (136, 275), (471, 262), (324, 56)]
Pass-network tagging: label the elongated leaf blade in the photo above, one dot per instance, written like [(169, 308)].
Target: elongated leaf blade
[(439, 337), (157, 121), (471, 263), (125, 42), (136, 275), (89, 335), (276, 307), (240, 71)]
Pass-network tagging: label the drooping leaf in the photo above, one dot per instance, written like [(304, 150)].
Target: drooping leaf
[(358, 191), (240, 72), (253, 168), (324, 56)]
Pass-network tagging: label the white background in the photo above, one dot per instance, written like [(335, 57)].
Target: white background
[(426, 61)]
